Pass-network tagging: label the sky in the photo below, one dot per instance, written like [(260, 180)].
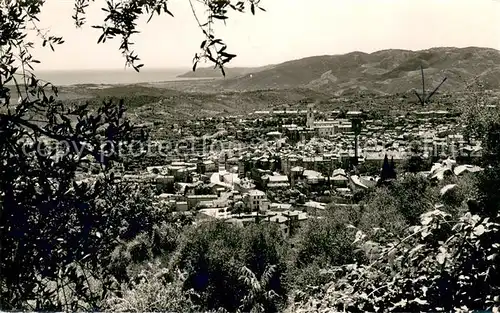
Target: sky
[(289, 29)]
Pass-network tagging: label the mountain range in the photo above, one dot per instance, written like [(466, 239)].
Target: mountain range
[(382, 72), (381, 80)]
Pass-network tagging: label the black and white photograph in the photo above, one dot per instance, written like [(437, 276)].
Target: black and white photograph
[(250, 156)]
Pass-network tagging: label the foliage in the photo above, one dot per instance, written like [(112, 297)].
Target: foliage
[(122, 16), (260, 298), (382, 209), (214, 254), (441, 265), (476, 116), (204, 189), (466, 189), (483, 123), (155, 290), (388, 171), (58, 232), (325, 242), (368, 168), (414, 196), (415, 164), (73, 244), (398, 204)]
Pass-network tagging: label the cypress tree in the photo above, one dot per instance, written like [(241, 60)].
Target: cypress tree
[(385, 174), (393, 168)]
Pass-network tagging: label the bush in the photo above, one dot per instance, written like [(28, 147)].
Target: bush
[(441, 265), (397, 205), (213, 255), (325, 242), (382, 209), (157, 290)]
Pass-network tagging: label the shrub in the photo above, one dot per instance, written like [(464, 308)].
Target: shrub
[(213, 254), (441, 265), (157, 290), (324, 241)]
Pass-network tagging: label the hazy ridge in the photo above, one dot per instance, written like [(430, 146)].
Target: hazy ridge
[(314, 79), (384, 72)]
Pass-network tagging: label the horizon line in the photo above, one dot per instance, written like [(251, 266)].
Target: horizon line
[(189, 68)]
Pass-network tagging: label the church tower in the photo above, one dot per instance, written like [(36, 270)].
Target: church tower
[(310, 116)]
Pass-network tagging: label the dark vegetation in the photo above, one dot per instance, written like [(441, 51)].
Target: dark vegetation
[(102, 245)]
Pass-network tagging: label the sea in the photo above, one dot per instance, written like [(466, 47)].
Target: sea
[(107, 77)]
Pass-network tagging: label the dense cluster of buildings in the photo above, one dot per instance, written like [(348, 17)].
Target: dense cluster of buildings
[(287, 166)]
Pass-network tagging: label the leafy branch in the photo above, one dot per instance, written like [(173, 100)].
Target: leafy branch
[(122, 17)]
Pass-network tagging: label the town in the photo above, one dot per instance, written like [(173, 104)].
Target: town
[(287, 166)]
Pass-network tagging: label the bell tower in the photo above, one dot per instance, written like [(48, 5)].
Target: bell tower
[(310, 116)]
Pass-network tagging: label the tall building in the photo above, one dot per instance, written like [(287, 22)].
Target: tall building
[(310, 116)]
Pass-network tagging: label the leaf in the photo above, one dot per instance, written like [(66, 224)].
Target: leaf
[(402, 303), (426, 220), (359, 236), (150, 17), (252, 9), (165, 9), (220, 17), (194, 66), (479, 230), (441, 257), (137, 67), (425, 233), (419, 301)]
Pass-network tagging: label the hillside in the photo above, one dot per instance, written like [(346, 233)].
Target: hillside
[(165, 105), (382, 72), (376, 81), (210, 72)]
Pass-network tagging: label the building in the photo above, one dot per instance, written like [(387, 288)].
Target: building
[(328, 127), (193, 200), (277, 181), (256, 199), (244, 185), (339, 178), (310, 116)]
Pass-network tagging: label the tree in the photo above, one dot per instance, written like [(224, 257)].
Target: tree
[(325, 242), (483, 123), (440, 264), (213, 255), (443, 262), (157, 290), (123, 15), (393, 169), (388, 172), (57, 230), (414, 164), (239, 207), (260, 297), (368, 168), (381, 208)]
